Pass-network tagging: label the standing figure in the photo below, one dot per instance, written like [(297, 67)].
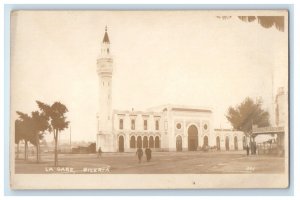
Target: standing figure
[(148, 154), (99, 152), (247, 149), (139, 153)]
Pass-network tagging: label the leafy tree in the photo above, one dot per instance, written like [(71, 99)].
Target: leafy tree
[(18, 134), (39, 126), (31, 129), (246, 114), (264, 21), (24, 130), (56, 113)]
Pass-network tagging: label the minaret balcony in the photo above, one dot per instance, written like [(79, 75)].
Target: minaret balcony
[(105, 71), (104, 59)]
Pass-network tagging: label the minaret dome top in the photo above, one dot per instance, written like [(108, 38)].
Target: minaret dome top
[(106, 38)]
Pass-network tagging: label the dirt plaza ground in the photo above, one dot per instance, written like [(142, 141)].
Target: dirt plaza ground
[(161, 163)]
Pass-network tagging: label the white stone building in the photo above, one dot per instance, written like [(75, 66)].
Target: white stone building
[(163, 128), (226, 139)]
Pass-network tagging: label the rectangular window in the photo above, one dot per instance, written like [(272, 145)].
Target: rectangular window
[(145, 125), (121, 124), (156, 125), (132, 124)]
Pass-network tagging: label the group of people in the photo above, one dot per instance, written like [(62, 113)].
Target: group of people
[(139, 153), (251, 149)]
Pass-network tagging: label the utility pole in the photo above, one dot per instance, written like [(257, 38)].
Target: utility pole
[(97, 123), (70, 139)]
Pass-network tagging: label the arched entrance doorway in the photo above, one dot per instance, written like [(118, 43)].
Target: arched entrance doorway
[(151, 142), (145, 142), (192, 138), (227, 143), (178, 143), (156, 142), (205, 141), (218, 143), (139, 142), (121, 143), (132, 142), (236, 143)]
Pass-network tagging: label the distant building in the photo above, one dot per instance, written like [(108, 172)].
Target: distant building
[(281, 114), (277, 145), (164, 128), (227, 139), (91, 148), (281, 107)]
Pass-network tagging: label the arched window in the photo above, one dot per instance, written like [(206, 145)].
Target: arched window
[(227, 143), (132, 142), (121, 144), (156, 142), (151, 142), (139, 142), (145, 142), (205, 141), (218, 143), (178, 143)]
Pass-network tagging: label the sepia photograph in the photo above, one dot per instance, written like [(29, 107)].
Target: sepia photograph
[(149, 99)]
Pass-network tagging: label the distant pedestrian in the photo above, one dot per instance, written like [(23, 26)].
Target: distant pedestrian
[(139, 153), (99, 152), (148, 154), (247, 149)]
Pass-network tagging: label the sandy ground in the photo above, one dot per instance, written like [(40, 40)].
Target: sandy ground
[(161, 163)]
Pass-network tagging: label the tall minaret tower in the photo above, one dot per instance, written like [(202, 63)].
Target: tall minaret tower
[(105, 71)]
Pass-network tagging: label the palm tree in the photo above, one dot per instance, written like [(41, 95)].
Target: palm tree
[(56, 113)]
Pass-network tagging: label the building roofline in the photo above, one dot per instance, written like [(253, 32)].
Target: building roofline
[(227, 130), (136, 112), (191, 109), (174, 107)]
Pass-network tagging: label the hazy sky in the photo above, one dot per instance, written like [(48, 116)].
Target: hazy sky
[(188, 58)]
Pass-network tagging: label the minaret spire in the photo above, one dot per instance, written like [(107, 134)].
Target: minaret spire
[(105, 73), (106, 38)]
